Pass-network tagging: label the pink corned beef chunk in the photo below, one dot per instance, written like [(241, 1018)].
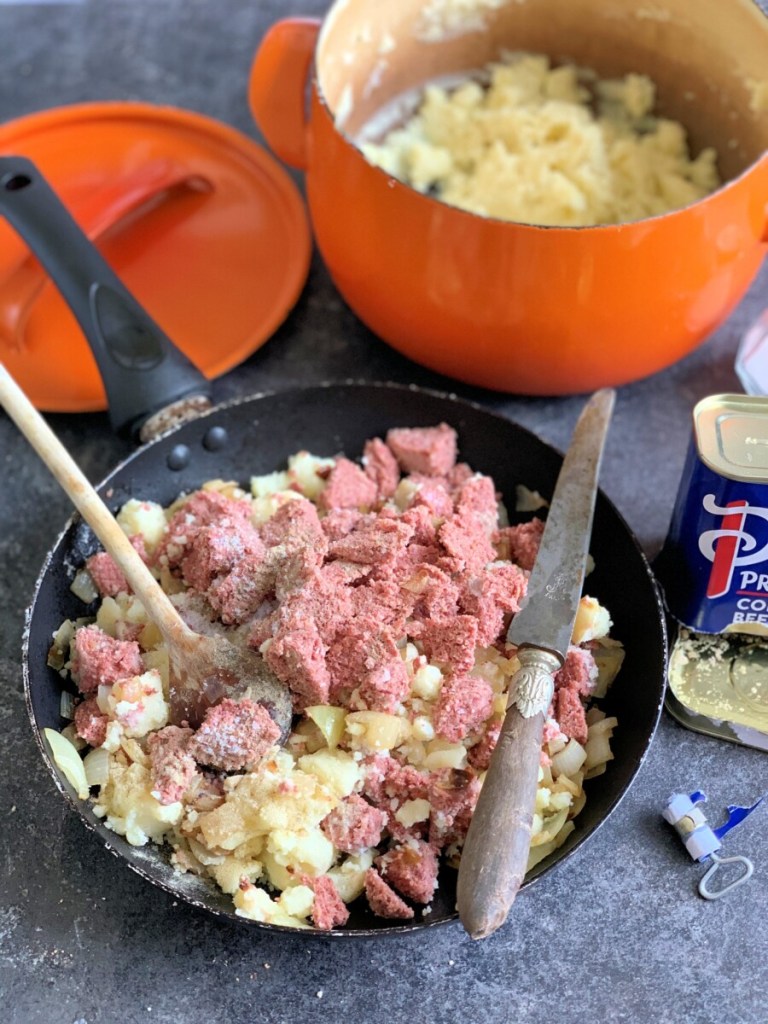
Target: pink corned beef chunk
[(434, 592), (328, 909), (90, 723), (383, 900), (579, 672), (234, 735), (479, 756), (433, 494), (453, 794), (202, 509), (108, 578), (466, 539), (451, 642), (341, 521), (381, 466), (348, 487), (297, 657), (98, 659), (490, 595), (386, 779), (380, 603), (372, 665), (217, 549), (462, 707), (296, 525), (423, 523), (237, 595), (412, 869), (521, 543), (429, 450), (173, 767), (477, 496), (354, 825), (570, 714), (373, 541)]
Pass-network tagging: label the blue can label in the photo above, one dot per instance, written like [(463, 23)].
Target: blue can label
[(714, 565)]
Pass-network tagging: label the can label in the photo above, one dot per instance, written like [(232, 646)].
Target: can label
[(714, 565)]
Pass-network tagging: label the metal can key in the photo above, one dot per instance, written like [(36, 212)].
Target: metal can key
[(714, 564)]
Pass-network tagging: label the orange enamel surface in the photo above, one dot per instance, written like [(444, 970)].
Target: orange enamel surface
[(218, 267), (526, 309), (277, 86)]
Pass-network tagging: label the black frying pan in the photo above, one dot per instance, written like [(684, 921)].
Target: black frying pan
[(256, 435)]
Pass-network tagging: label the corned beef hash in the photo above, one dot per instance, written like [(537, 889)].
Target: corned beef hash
[(380, 593)]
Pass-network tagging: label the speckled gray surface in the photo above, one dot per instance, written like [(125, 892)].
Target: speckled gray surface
[(617, 934)]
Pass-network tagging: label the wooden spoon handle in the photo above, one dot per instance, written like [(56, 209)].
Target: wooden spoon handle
[(92, 508), (495, 853)]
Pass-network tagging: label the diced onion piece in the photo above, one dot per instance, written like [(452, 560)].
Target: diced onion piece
[(550, 827), (528, 501), (603, 724), (599, 769), (67, 705), (68, 760), (441, 754), (598, 746), (592, 621), (69, 732), (96, 766), (102, 698), (543, 794), (543, 850), (427, 681), (84, 587), (229, 488), (377, 730), (269, 483), (413, 811), (330, 722), (565, 784), (569, 760), (578, 804), (538, 853), (556, 745), (609, 657)]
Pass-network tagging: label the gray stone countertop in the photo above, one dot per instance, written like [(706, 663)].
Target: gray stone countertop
[(617, 933)]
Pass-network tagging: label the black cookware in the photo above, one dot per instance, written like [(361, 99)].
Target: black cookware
[(256, 435)]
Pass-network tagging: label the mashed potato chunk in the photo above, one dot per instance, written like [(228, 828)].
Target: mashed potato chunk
[(546, 145)]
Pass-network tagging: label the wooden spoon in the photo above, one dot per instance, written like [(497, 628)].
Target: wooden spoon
[(203, 669)]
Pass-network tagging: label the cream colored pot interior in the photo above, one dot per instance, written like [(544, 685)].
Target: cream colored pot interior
[(709, 58)]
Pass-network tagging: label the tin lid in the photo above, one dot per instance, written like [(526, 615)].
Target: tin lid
[(203, 226), (732, 435), (719, 685)]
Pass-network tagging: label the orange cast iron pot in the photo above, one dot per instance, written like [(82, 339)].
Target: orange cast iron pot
[(508, 306)]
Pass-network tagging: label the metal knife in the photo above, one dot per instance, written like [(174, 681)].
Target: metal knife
[(496, 848)]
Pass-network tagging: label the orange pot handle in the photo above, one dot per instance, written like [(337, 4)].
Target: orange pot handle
[(278, 86)]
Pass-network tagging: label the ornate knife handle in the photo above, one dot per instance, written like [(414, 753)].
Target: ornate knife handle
[(533, 685)]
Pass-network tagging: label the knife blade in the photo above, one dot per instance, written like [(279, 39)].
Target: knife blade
[(495, 853), (549, 608)]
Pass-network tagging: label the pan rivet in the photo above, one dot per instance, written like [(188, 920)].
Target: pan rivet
[(179, 457), (215, 439)]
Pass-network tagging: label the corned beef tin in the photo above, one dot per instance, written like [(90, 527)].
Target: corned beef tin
[(714, 573), (714, 566)]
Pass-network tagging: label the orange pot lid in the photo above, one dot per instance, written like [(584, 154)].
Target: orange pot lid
[(203, 226)]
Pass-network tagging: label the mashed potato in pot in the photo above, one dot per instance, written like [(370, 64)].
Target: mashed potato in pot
[(547, 145)]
